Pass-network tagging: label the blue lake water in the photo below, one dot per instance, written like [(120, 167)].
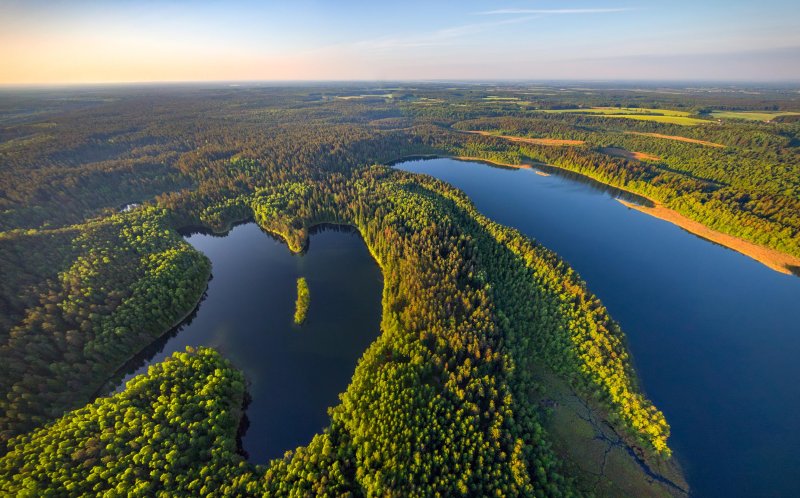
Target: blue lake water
[(715, 335), (294, 373)]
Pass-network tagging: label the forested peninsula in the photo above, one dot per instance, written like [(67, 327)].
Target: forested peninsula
[(482, 327)]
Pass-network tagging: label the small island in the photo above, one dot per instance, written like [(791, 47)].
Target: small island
[(303, 301)]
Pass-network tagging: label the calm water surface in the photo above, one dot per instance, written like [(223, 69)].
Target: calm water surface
[(715, 335), (294, 373)]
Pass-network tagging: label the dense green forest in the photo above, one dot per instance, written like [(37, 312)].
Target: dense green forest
[(748, 189), (303, 301), (445, 400)]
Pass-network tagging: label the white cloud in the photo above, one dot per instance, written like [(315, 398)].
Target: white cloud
[(550, 11)]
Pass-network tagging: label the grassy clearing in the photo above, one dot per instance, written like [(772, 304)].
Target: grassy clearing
[(365, 96), (620, 111), (628, 154), (678, 138), (534, 141), (678, 120), (658, 115), (751, 115), (427, 101), (25, 141)]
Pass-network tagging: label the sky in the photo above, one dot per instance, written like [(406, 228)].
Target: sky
[(114, 41)]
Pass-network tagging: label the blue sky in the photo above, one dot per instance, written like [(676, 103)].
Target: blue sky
[(99, 41)]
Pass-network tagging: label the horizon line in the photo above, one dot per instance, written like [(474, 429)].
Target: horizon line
[(234, 82)]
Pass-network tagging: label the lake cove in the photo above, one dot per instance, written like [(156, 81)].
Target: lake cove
[(294, 373), (716, 355)]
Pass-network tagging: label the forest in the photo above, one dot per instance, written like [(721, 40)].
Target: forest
[(303, 301), (444, 401)]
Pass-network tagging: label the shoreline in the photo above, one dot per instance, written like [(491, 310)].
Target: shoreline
[(106, 389), (528, 166), (771, 258), (117, 376), (605, 456)]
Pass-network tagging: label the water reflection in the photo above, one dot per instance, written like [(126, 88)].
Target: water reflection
[(294, 373)]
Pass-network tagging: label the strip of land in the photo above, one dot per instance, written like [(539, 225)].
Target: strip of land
[(772, 258), (534, 141), (676, 137), (498, 163)]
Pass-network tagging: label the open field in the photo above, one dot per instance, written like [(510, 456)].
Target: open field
[(678, 120), (534, 141), (365, 96), (27, 141), (751, 115), (678, 138), (621, 111), (639, 156), (657, 115)]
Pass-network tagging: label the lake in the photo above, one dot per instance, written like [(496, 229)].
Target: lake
[(715, 335), (294, 373)]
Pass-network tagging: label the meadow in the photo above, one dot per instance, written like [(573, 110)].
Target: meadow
[(751, 115), (658, 115)]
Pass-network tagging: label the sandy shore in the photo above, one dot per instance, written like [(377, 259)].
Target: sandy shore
[(772, 258), (505, 165)]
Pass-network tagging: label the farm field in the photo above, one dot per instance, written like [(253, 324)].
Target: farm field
[(751, 115), (658, 115), (677, 138), (533, 141)]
